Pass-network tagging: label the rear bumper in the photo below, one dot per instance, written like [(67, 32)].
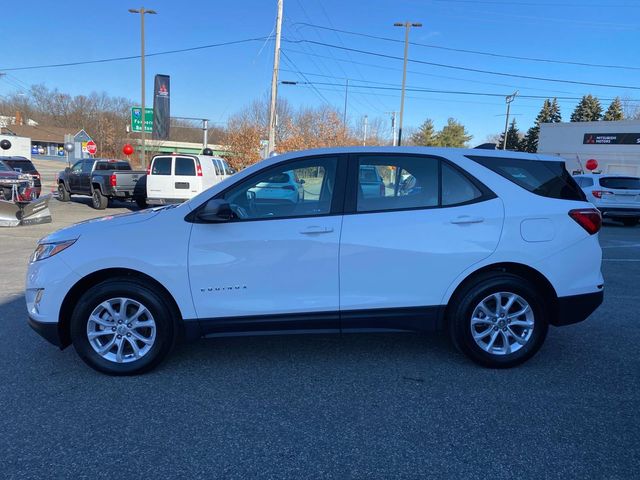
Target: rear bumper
[(577, 308), (47, 330), (619, 212)]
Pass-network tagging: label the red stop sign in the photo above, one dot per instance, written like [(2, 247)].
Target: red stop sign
[(92, 148), (591, 164)]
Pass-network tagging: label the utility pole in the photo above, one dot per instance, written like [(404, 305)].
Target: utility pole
[(393, 127), (274, 81), (407, 26), (366, 125), (205, 133), (346, 96), (142, 13), (509, 99)]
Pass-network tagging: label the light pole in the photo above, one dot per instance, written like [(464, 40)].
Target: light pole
[(509, 99), (142, 13), (274, 81), (407, 26)]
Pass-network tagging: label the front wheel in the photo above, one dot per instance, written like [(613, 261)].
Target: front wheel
[(99, 201), (63, 193), (498, 321), (122, 327)]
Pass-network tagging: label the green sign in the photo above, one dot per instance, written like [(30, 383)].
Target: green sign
[(136, 119)]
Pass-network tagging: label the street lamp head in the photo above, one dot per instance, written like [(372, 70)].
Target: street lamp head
[(288, 82), (398, 24), (151, 12), (133, 10), (416, 24)]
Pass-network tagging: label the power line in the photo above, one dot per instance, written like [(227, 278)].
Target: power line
[(450, 92), (538, 4), (303, 76), (132, 57), (467, 69), (473, 52)]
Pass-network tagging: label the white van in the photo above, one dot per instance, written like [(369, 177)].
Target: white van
[(175, 178)]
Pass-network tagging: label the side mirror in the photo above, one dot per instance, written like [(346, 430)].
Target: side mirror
[(216, 210)]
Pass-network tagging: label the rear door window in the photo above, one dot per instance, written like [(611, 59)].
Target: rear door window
[(161, 166), (185, 167), (456, 188), (545, 178), (621, 183)]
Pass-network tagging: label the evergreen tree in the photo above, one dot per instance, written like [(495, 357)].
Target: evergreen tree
[(550, 113), (588, 110), (453, 134), (614, 112), (514, 141), (425, 136)]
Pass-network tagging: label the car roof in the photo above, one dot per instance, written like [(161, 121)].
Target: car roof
[(434, 151), (15, 158)]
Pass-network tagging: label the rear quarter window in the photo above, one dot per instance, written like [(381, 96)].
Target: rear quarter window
[(545, 178), (621, 183)]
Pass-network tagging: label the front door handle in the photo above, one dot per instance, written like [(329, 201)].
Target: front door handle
[(315, 230), (465, 219)]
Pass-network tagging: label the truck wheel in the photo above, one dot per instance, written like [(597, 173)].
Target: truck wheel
[(498, 321), (122, 327), (99, 201), (141, 202), (63, 193)]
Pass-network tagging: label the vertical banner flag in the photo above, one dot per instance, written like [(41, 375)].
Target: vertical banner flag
[(161, 111)]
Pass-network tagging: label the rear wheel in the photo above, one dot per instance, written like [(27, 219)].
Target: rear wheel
[(630, 222), (141, 202), (498, 321), (98, 200), (63, 193), (121, 327)]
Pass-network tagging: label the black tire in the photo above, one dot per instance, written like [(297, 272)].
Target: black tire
[(461, 309), (141, 202), (162, 312), (98, 200), (630, 222), (63, 193)]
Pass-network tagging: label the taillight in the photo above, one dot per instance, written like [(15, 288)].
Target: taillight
[(113, 180), (599, 193), (149, 170), (588, 218), (198, 169)]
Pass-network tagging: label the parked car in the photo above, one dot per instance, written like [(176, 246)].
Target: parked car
[(491, 246), (616, 196), (177, 178), (103, 180), (23, 183), (24, 165), (283, 187), (371, 183)]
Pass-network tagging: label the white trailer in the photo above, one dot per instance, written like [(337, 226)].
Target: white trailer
[(20, 147)]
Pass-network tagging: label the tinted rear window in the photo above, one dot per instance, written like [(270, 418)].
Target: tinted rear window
[(185, 166), (161, 166), (622, 183), (25, 165), (113, 166), (545, 178)]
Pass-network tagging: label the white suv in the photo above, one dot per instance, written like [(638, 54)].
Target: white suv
[(492, 246), (616, 196)]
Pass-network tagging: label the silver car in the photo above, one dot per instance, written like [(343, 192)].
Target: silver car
[(616, 196)]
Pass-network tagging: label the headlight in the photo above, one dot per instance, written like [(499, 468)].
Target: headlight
[(46, 250)]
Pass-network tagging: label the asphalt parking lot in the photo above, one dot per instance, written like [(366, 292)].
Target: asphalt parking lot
[(359, 406)]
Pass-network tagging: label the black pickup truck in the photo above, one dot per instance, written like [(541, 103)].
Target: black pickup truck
[(103, 179)]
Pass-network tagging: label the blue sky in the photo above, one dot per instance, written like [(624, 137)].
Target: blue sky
[(217, 82)]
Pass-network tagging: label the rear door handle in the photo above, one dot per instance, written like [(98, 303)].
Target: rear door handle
[(315, 230), (464, 219)]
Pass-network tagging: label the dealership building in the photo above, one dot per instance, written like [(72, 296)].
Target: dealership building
[(614, 145)]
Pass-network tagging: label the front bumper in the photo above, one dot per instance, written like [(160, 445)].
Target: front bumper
[(46, 330), (576, 308)]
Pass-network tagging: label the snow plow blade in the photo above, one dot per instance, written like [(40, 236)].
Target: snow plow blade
[(34, 212)]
